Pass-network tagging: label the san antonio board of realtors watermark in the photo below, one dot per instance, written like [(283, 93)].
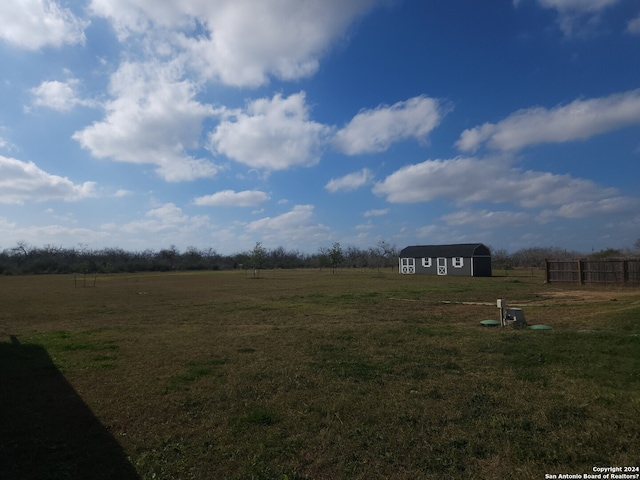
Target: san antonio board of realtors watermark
[(600, 473)]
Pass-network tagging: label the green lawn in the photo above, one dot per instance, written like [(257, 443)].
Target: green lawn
[(311, 375)]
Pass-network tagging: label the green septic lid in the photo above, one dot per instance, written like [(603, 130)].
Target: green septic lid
[(489, 323), (540, 327)]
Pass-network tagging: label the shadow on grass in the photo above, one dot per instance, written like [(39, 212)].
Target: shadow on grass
[(46, 430)]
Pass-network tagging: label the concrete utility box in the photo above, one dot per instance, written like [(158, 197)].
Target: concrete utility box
[(515, 318)]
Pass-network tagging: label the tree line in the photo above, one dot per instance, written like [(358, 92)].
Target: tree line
[(535, 257), (49, 259)]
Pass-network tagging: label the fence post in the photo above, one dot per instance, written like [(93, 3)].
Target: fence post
[(546, 267), (580, 272), (625, 271)]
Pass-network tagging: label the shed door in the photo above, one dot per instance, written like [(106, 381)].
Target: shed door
[(442, 266), (408, 265)]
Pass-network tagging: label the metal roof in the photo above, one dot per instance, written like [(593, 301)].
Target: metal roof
[(466, 250)]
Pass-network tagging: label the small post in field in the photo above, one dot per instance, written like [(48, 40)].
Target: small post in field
[(502, 304)]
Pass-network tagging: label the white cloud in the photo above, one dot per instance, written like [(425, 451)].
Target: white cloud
[(48, 234), (365, 227), (588, 208), (153, 119), (299, 215), (577, 5), (6, 225), (60, 96), (466, 180), (66, 217), (372, 131), (164, 225), (576, 16), (247, 198), (33, 24), (20, 181), (489, 220), (242, 42), (6, 144), (633, 26), (271, 134), (138, 16), (376, 213), (351, 181), (168, 213), (459, 178), (578, 120), (295, 228), (430, 231), (473, 138)]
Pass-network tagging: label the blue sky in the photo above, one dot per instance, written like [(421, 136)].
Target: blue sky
[(300, 123)]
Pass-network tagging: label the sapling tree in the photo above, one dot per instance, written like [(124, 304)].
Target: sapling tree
[(258, 254), (336, 256)]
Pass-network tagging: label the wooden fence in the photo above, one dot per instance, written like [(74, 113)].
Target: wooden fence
[(609, 271)]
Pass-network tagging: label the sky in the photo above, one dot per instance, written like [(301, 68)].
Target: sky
[(145, 124)]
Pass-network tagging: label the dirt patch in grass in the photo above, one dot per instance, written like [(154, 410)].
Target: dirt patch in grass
[(590, 296)]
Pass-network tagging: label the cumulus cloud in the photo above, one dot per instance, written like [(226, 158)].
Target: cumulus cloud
[(350, 182), (271, 134), (299, 215), (60, 96), (33, 24), (164, 225), (578, 120), (168, 213), (153, 118), (375, 130), (242, 42), (20, 181), (458, 178), (295, 227), (468, 180), (247, 198), (167, 219)]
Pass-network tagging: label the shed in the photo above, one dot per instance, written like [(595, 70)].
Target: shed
[(466, 259)]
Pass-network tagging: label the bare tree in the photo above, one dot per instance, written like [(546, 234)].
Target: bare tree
[(22, 250), (501, 259), (390, 253)]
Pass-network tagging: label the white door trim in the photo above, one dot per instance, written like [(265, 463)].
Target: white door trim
[(442, 266), (408, 265)]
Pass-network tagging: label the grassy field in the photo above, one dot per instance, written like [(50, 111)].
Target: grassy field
[(311, 375)]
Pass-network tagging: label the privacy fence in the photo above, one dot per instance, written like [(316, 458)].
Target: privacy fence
[(609, 271)]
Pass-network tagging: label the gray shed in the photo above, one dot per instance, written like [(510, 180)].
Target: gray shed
[(467, 259)]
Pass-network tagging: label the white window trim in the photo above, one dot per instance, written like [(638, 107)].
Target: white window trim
[(458, 262), (426, 262)]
